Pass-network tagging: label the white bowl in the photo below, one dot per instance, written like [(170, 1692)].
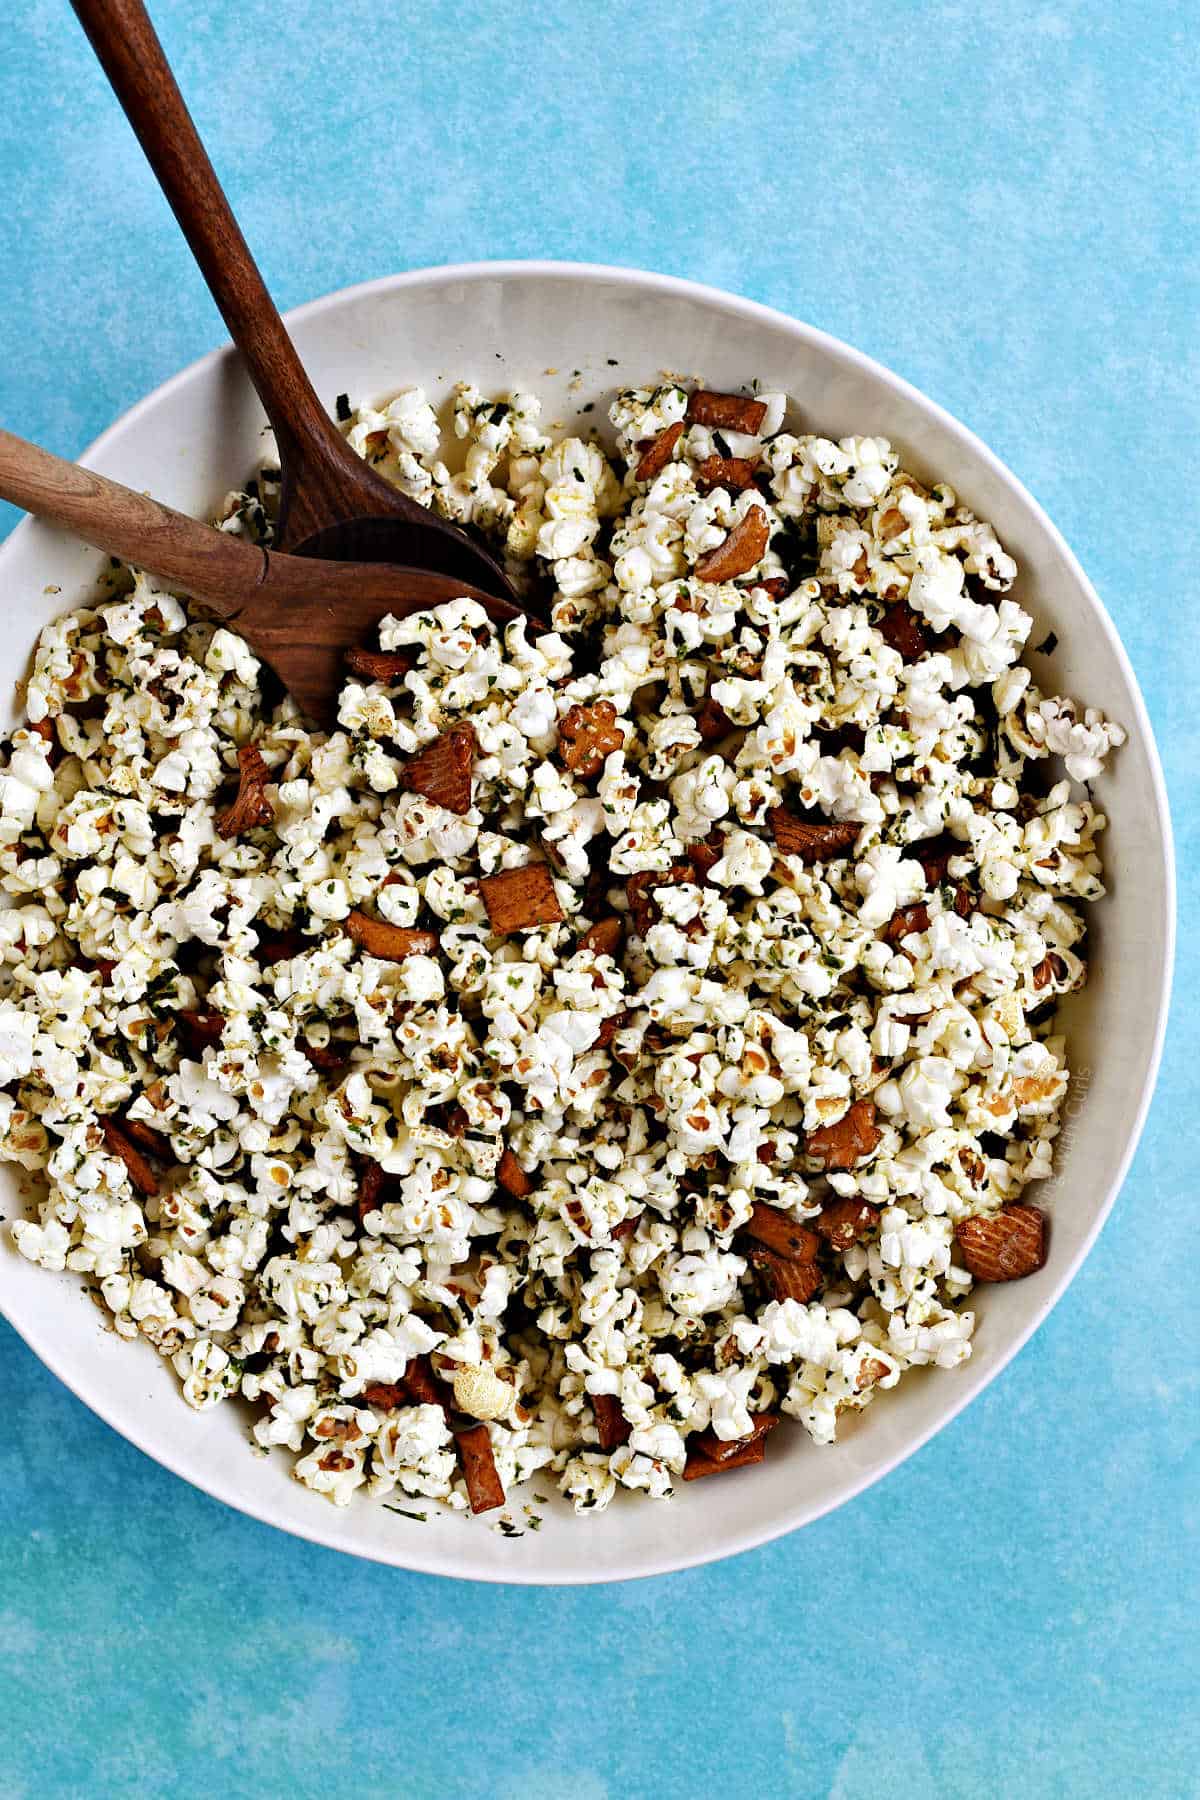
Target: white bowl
[(570, 332)]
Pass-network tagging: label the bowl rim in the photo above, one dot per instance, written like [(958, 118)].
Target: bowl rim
[(971, 1380)]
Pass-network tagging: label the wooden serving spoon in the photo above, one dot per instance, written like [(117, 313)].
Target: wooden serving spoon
[(298, 613), (332, 502)]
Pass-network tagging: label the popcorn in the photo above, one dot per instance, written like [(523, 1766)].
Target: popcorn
[(18, 1033), (461, 1062), (483, 1394)]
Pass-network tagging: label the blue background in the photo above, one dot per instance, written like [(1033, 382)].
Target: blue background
[(1000, 202)]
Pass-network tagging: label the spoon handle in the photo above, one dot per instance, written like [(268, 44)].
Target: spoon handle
[(223, 571), (132, 57)]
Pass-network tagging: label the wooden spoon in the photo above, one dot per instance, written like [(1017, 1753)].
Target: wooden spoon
[(332, 503), (300, 614)]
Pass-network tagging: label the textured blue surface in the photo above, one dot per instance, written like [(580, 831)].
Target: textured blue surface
[(1000, 202)]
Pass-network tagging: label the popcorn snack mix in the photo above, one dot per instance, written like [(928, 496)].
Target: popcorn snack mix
[(606, 1041)]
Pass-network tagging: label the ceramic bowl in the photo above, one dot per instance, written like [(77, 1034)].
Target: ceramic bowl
[(570, 332)]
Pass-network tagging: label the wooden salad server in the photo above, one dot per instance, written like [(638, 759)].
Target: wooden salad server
[(300, 614), (333, 504)]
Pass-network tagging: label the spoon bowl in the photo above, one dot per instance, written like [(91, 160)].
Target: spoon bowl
[(380, 538)]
